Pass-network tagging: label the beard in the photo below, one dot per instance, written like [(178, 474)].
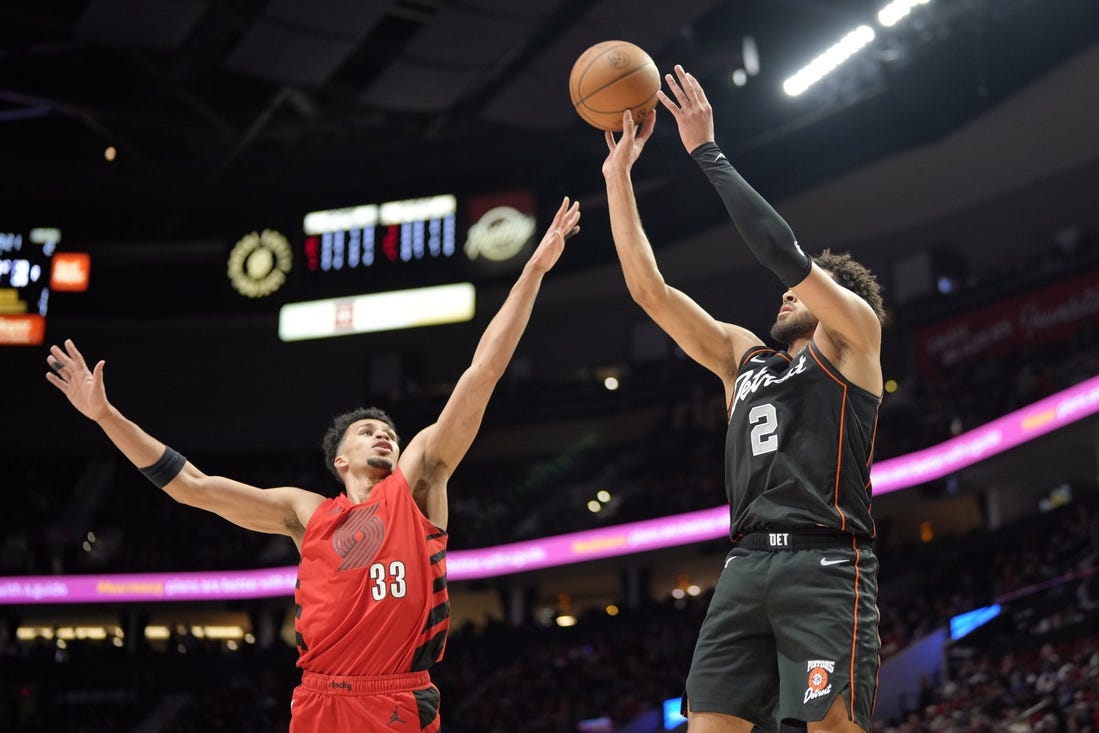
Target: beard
[(380, 462), (790, 329)]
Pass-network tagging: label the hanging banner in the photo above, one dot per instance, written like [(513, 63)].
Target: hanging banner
[(1055, 312)]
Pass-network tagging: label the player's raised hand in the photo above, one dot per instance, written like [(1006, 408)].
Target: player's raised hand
[(625, 151), (566, 222), (84, 387), (691, 109)]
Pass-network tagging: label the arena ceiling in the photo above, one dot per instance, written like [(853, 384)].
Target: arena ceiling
[(230, 114)]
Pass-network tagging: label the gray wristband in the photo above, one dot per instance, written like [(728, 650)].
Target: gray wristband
[(164, 470)]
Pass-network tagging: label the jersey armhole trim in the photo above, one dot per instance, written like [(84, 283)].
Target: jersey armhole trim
[(309, 522), (756, 350), (408, 493), (837, 376)]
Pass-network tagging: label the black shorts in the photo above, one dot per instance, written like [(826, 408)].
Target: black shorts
[(787, 632)]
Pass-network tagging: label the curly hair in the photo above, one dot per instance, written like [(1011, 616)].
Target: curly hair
[(854, 276), (333, 437)]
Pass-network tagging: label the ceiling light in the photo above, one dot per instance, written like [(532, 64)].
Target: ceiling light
[(895, 11), (824, 64)]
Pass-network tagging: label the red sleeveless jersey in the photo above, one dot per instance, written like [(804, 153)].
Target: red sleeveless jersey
[(371, 593)]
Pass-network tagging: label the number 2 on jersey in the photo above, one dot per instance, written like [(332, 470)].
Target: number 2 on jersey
[(765, 420)]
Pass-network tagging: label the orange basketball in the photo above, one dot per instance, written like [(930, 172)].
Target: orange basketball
[(609, 78)]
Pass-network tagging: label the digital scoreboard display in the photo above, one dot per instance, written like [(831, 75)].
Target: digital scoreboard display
[(381, 235), (25, 267), (420, 242)]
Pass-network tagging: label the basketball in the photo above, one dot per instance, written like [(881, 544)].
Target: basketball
[(609, 78)]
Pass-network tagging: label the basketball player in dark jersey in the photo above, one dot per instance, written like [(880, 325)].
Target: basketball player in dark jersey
[(791, 632), (372, 605)]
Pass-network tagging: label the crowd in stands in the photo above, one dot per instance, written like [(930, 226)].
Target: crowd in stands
[(1051, 689), (1035, 668), (923, 586), (932, 410), (547, 680), (38, 490), (494, 500), (531, 492)]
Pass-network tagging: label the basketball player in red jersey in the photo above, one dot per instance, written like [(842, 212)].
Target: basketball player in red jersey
[(372, 604)]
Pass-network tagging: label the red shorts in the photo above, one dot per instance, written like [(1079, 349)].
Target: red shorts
[(399, 703)]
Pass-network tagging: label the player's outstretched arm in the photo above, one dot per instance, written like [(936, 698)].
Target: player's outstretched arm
[(715, 345), (766, 233), (433, 454), (842, 313), (276, 511)]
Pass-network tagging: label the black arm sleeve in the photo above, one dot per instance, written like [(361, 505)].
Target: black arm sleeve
[(766, 233)]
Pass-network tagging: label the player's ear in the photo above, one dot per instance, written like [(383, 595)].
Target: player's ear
[(340, 463)]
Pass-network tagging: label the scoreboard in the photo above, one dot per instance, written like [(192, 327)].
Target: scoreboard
[(380, 236), (25, 267), (420, 242), (403, 264)]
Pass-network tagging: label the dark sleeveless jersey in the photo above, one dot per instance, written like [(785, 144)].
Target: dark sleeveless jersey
[(799, 446), (371, 594)]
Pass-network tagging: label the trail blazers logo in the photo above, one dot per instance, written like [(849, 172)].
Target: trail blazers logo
[(819, 684), (359, 538)]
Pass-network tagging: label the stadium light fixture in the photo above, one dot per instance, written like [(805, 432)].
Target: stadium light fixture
[(824, 64), (895, 11)]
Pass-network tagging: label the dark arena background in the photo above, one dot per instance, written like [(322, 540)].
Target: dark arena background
[(180, 178)]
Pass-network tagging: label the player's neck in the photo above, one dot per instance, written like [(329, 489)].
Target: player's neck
[(358, 488), (797, 345)]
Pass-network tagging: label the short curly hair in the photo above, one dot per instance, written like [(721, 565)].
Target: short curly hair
[(333, 437), (854, 276)]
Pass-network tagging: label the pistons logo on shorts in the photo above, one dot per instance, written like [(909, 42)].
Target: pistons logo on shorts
[(818, 684)]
